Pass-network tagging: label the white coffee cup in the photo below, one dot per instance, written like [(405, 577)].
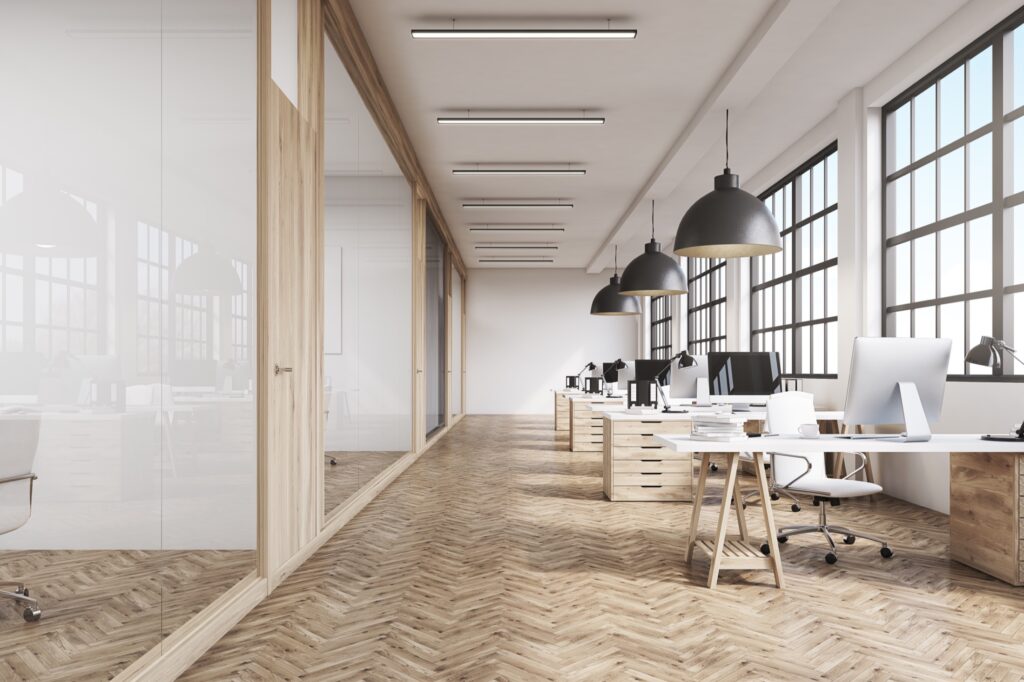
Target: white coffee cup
[(808, 430)]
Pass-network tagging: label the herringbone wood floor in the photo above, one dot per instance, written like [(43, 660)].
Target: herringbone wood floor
[(104, 609), (495, 557), (352, 471)]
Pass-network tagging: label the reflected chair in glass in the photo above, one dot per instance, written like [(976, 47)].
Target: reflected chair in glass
[(19, 433)]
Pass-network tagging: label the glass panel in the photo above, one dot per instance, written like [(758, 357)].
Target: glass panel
[(951, 183), (980, 262), (951, 255), (139, 424), (979, 90), (899, 324), (1015, 165), (367, 316), (951, 107), (832, 179), (1017, 327), (899, 274), (897, 205), (897, 135), (979, 172), (951, 325), (924, 268), (436, 367), (456, 406), (924, 195), (924, 322), (1014, 229), (924, 123)]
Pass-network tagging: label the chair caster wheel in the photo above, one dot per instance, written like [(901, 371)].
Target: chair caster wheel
[(333, 461), (849, 540), (885, 552), (782, 539), (714, 467), (795, 507), (31, 615), (22, 591), (766, 550), (744, 505), (831, 558), (775, 497)]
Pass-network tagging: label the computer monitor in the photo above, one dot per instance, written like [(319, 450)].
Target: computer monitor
[(649, 370), (744, 374), (897, 381), (683, 380)]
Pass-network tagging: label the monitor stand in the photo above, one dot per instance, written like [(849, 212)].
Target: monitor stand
[(914, 417)]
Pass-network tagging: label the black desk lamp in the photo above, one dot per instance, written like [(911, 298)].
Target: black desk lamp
[(685, 360), (988, 353), (574, 381), (616, 366)]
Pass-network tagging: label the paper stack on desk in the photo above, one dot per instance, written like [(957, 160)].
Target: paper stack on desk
[(719, 427)]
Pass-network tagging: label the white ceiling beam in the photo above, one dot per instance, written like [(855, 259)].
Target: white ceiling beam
[(785, 27)]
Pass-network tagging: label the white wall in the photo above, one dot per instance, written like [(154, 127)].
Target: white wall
[(527, 329)]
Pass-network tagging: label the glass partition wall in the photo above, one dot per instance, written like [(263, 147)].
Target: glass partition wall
[(367, 295), (435, 324), (127, 291)]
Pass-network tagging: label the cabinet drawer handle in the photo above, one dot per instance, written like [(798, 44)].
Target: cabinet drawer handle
[(650, 486), (642, 421), (650, 473), (650, 460), (650, 447)]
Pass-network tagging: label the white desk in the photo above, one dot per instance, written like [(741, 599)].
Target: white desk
[(986, 494), (638, 468)]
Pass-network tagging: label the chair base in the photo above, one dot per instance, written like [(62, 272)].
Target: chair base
[(823, 527), (20, 595)]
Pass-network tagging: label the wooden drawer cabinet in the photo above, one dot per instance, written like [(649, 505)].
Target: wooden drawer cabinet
[(561, 411), (586, 433), (637, 468), (986, 513)]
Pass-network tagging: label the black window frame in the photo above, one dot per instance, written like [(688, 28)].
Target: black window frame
[(792, 363), (706, 305), (661, 327), (996, 208)]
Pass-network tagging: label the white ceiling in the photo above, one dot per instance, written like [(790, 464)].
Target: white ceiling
[(779, 66)]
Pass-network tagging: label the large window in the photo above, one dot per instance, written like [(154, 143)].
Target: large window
[(954, 200), (661, 328), (793, 300), (705, 320)]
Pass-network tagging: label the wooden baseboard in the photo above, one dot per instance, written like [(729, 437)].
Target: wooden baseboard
[(173, 656)]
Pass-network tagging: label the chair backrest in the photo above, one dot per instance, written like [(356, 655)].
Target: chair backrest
[(785, 413), (19, 439)]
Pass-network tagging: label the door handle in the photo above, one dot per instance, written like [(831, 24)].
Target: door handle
[(278, 369)]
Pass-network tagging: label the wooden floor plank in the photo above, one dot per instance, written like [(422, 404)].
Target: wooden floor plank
[(496, 556)]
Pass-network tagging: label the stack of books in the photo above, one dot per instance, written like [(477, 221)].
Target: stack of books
[(721, 426)]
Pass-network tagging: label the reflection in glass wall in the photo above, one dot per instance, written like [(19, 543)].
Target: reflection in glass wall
[(436, 364), (367, 295), (127, 302)]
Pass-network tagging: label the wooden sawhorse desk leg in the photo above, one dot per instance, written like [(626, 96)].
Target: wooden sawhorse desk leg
[(733, 554)]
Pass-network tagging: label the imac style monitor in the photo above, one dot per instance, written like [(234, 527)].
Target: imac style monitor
[(747, 376), (898, 381)]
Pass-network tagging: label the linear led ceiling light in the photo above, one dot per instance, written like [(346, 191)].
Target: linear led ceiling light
[(521, 120), (519, 171), (515, 227), (540, 203), (515, 260), (517, 246), (524, 33)]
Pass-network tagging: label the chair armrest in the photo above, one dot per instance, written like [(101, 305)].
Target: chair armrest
[(30, 477), (788, 454), (862, 461)]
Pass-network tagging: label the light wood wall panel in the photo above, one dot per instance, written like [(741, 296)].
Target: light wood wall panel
[(290, 308)]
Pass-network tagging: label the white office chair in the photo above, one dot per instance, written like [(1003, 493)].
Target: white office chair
[(806, 474), (20, 437)]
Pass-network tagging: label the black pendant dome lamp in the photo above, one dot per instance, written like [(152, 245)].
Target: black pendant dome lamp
[(609, 301), (653, 273), (727, 222)]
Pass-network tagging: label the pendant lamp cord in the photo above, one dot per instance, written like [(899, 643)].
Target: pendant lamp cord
[(652, 220), (616, 260), (726, 138)]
